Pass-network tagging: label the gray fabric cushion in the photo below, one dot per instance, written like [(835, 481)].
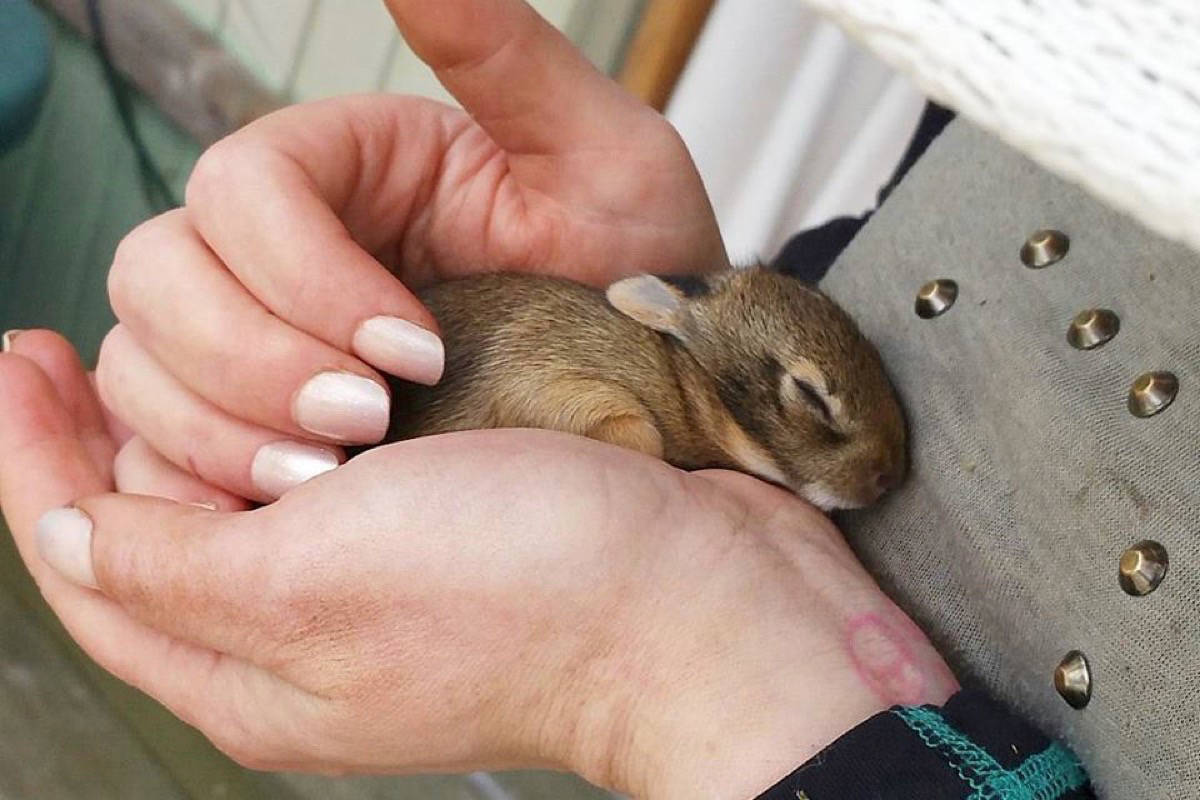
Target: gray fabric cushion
[(1030, 476)]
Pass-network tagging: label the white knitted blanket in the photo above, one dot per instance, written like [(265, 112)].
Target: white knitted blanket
[(1104, 92)]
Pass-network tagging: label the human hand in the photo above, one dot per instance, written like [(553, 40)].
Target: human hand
[(252, 321), (478, 600)]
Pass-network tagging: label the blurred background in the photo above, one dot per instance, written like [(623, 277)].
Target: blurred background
[(789, 122)]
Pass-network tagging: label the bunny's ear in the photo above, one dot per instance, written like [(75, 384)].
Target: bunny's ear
[(652, 301)]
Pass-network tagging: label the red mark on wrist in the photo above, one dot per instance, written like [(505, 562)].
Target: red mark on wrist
[(884, 659)]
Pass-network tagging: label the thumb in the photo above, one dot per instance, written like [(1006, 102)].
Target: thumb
[(529, 87), (197, 575), (173, 569), (44, 461)]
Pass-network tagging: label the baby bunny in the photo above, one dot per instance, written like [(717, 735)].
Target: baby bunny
[(745, 369)]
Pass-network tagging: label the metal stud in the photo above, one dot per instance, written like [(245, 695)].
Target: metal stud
[(936, 297), (1043, 248), (1092, 328), (1142, 568), (1151, 393), (1073, 679)]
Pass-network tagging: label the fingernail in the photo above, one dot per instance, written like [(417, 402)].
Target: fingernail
[(342, 406), (64, 540), (280, 466), (207, 505), (8, 338), (401, 348)]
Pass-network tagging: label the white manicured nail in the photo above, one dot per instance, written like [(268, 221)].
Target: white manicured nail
[(7, 339), (280, 466), (401, 348), (64, 540), (343, 406)]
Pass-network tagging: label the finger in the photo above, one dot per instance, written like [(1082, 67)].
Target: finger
[(529, 87), (182, 305), (44, 465), (296, 203), (56, 357), (243, 459), (37, 436), (118, 431), (140, 469)]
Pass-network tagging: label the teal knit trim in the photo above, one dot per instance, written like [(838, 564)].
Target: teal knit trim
[(1047, 775)]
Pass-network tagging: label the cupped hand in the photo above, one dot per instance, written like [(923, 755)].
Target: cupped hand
[(253, 320), (486, 599)]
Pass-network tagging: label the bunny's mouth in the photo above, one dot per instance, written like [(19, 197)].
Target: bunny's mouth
[(824, 499)]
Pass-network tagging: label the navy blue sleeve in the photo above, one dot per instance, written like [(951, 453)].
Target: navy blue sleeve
[(809, 254), (972, 748)]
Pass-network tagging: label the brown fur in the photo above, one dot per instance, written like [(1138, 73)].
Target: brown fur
[(708, 385)]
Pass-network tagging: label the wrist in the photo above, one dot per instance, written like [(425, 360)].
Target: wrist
[(774, 644)]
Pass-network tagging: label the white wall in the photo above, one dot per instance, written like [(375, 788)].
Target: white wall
[(790, 122)]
